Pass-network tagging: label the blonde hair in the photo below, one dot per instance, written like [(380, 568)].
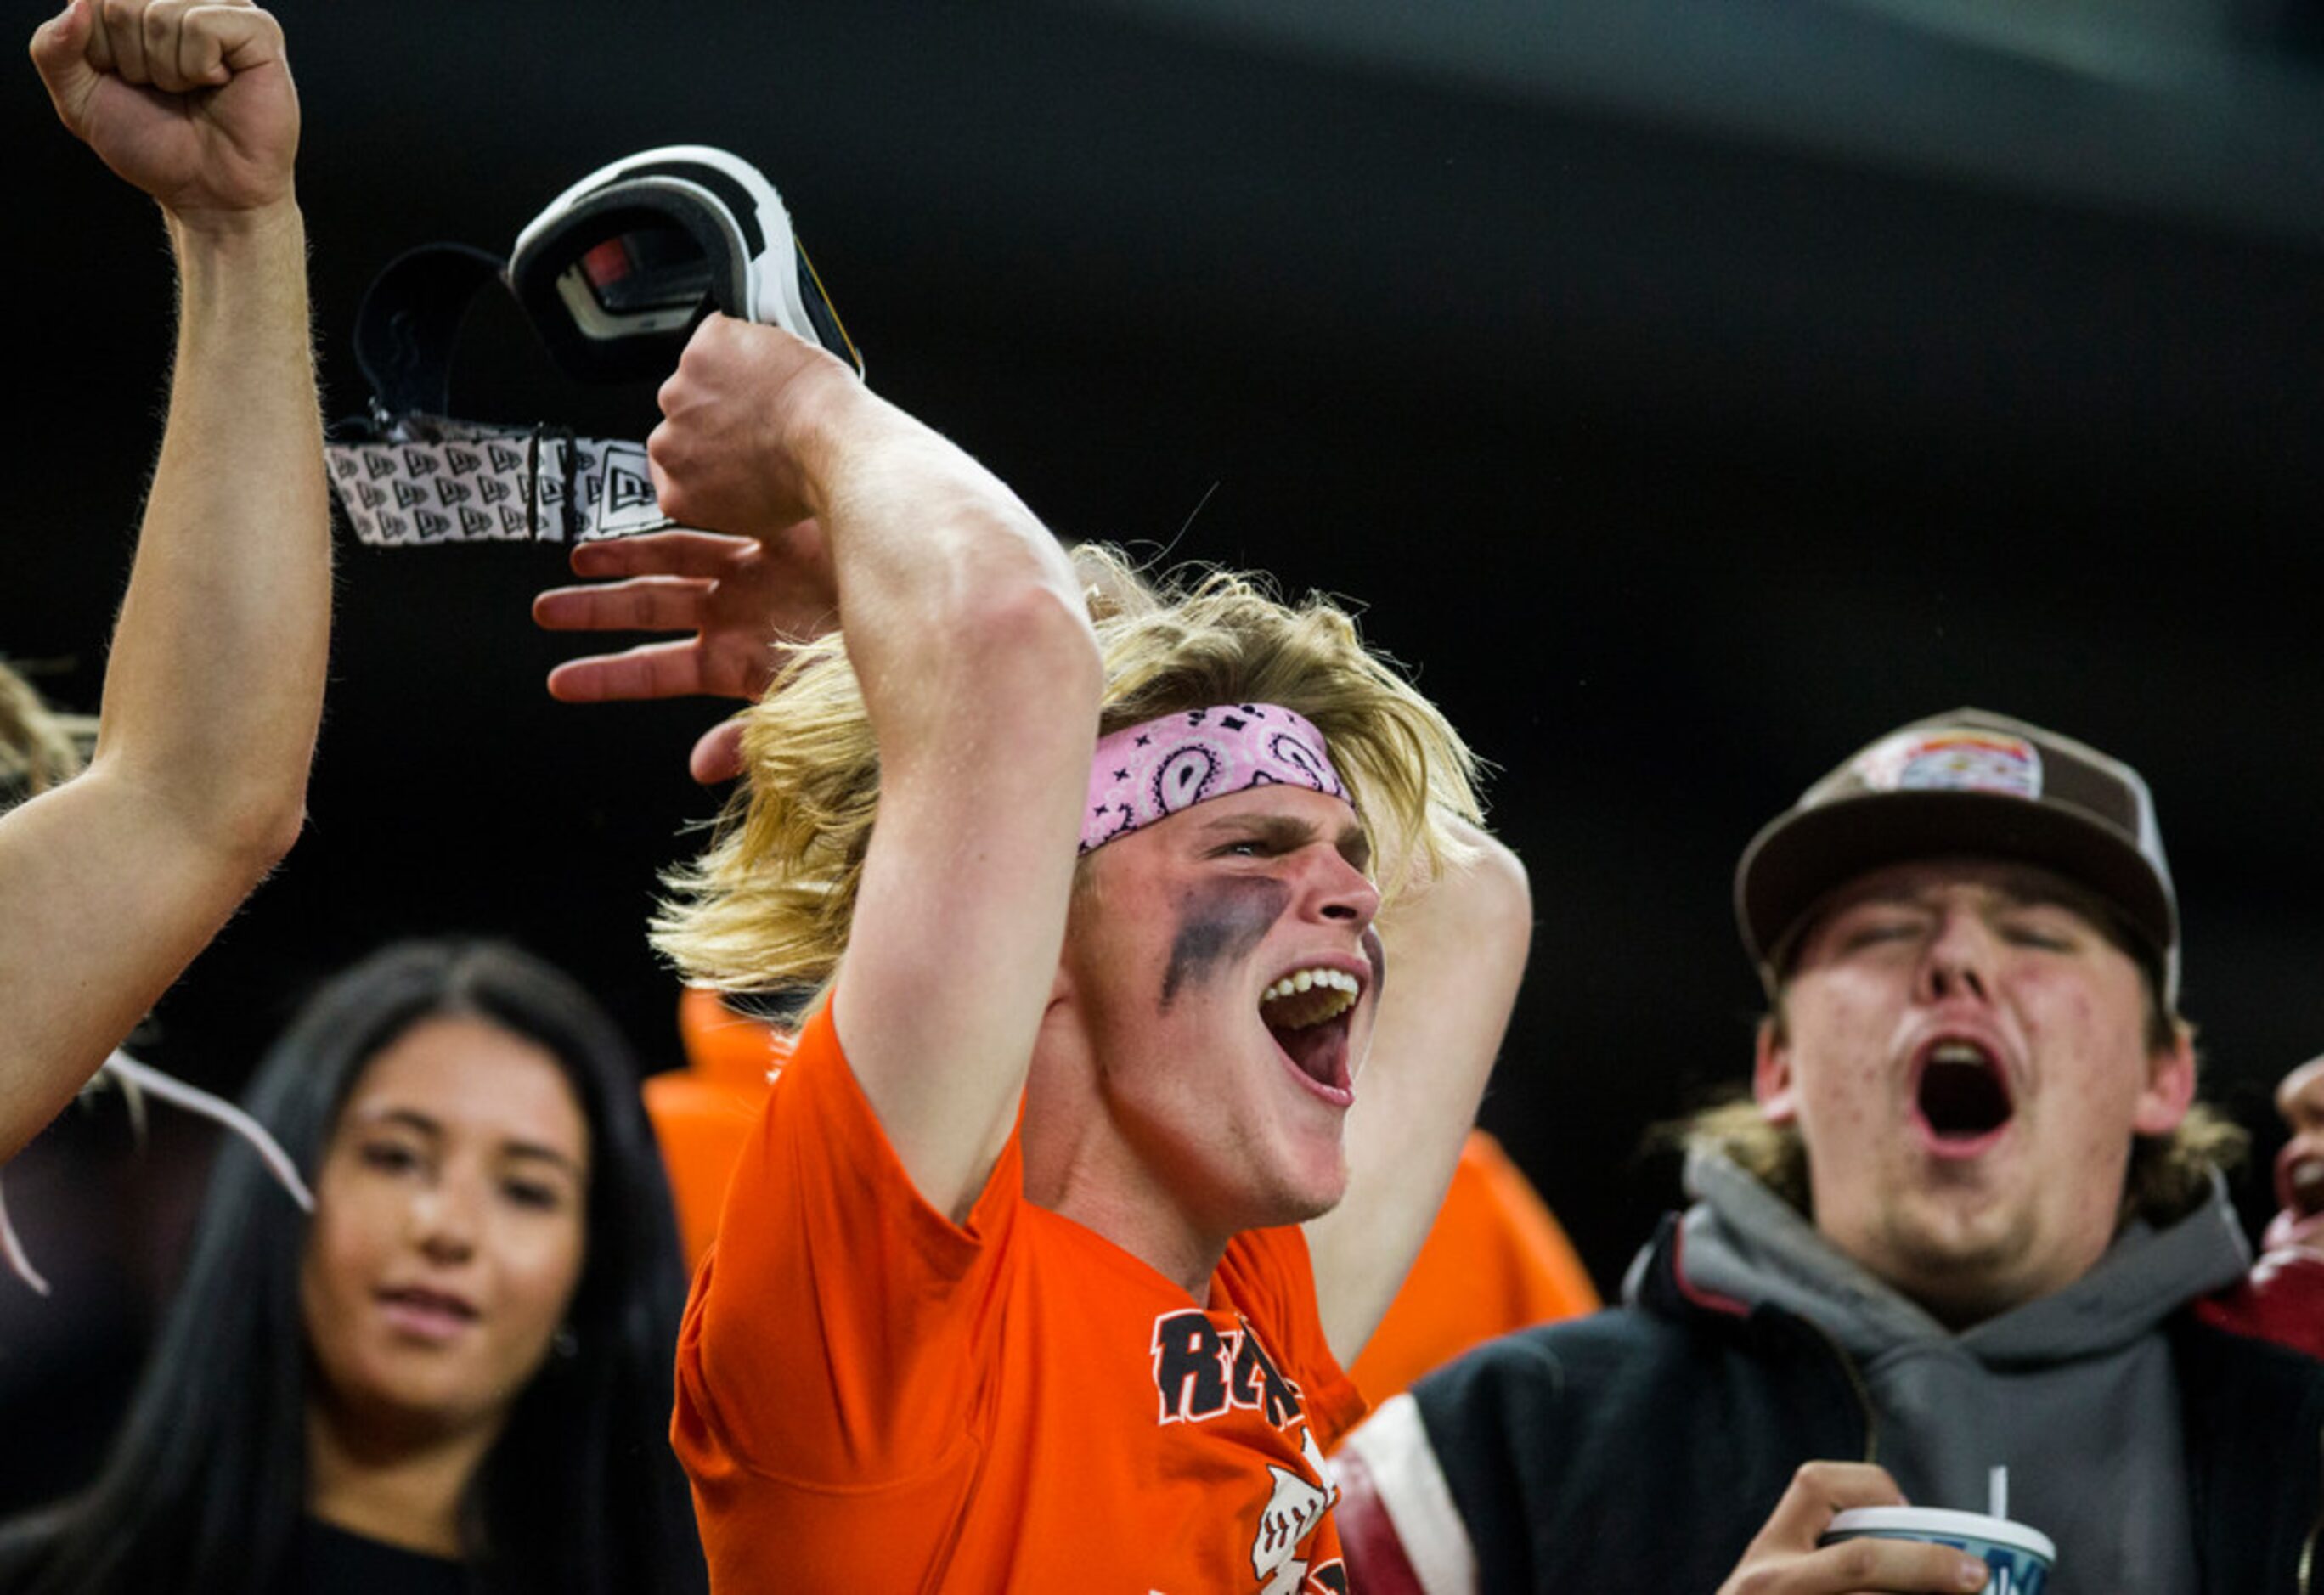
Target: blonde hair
[(39, 748), (768, 905)]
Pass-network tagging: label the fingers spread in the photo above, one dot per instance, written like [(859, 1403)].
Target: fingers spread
[(641, 603), (665, 553), (656, 670), (717, 753)]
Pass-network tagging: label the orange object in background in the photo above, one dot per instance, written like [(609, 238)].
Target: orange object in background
[(1495, 1261), (701, 1113)]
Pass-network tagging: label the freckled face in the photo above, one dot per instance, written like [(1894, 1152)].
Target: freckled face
[(1209, 1094), (1966, 1057), (449, 1229)]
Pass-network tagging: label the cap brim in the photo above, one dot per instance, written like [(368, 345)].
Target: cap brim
[(1801, 856)]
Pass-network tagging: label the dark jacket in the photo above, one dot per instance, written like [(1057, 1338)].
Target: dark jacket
[(1642, 1449)]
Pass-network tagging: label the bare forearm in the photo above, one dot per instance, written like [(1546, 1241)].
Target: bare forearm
[(101, 907), (932, 556), (980, 674), (110, 883), (214, 686), (1456, 954)]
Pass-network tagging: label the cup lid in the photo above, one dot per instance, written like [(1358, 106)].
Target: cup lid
[(1944, 1520)]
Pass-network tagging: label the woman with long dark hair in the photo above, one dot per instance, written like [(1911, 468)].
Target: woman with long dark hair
[(457, 1375)]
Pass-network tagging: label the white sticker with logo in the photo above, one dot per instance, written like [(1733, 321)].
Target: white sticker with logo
[(1952, 761), (458, 482)]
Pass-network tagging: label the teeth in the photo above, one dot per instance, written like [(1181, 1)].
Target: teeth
[(2308, 1175), (1958, 1052), (1320, 994), (1307, 980)]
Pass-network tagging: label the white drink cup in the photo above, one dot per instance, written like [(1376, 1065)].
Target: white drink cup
[(2021, 1558)]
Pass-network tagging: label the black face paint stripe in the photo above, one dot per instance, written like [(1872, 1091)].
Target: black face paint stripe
[(1219, 924), (1378, 953)]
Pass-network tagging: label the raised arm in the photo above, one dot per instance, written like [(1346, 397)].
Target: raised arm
[(980, 672), (1455, 953), (112, 882)]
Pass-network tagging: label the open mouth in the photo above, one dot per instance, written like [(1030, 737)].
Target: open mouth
[(1962, 1094), (2299, 1185), (1308, 1013)]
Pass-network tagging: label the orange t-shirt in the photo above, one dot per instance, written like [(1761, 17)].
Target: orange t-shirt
[(873, 1397), (1496, 1260), (703, 1113)]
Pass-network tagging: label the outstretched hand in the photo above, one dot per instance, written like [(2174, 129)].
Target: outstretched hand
[(192, 102), (745, 418), (746, 601), (1786, 1559)]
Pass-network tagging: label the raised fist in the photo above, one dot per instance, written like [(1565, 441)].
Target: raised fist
[(190, 102), (733, 452)]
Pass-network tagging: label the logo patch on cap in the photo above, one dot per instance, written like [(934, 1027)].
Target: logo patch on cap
[(1952, 761)]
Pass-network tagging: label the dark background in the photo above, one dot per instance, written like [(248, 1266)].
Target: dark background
[(1692, 391)]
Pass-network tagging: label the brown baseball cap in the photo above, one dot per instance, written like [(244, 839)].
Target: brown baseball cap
[(1967, 783)]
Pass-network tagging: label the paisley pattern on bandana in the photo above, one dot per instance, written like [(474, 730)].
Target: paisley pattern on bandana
[(1152, 771)]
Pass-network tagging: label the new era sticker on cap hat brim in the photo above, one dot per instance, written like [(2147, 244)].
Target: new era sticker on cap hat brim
[(1952, 761)]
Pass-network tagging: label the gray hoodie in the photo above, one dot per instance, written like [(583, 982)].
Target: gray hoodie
[(2075, 1392)]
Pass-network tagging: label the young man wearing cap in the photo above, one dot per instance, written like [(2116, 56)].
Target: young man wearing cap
[(112, 881), (1957, 1228), (1010, 1291)]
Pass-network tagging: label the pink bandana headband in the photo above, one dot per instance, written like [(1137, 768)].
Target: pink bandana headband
[(1150, 772)]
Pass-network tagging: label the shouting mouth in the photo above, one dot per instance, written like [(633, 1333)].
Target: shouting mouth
[(1308, 1013), (1961, 1098), (2299, 1183)]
